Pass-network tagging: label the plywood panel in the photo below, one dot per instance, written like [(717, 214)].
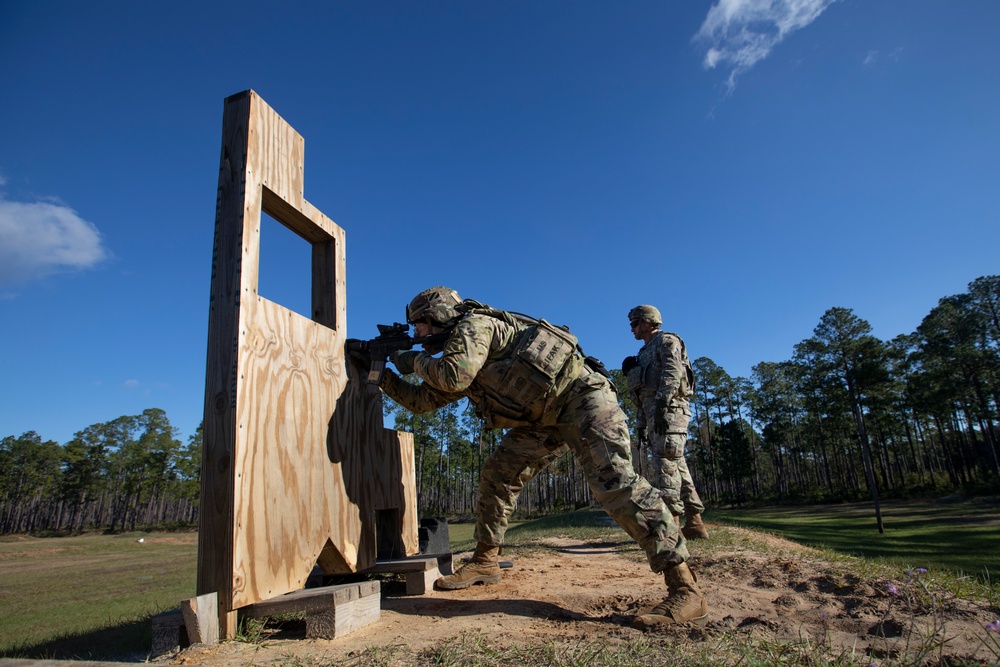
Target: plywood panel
[(398, 486), (296, 462), (293, 373)]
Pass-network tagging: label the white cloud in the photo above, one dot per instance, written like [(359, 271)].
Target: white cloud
[(131, 384), (741, 33), (38, 239), (874, 57)]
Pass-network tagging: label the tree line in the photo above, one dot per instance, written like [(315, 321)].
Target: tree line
[(850, 416), (126, 473), (847, 417)]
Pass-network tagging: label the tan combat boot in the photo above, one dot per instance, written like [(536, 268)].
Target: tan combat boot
[(694, 528), (685, 603), (483, 568)]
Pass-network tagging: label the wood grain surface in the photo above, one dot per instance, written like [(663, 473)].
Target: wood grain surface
[(297, 466)]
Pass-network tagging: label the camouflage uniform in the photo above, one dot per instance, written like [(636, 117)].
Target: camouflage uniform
[(663, 373), (581, 413)]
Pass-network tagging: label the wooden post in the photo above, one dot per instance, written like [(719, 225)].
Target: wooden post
[(292, 436)]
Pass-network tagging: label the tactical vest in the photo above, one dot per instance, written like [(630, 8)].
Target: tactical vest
[(645, 378), (520, 387)]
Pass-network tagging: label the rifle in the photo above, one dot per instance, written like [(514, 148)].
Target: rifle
[(391, 338)]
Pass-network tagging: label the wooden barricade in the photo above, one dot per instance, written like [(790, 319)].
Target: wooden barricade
[(297, 468)]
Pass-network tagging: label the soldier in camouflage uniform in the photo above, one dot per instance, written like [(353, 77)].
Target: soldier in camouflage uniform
[(661, 380), (572, 407)]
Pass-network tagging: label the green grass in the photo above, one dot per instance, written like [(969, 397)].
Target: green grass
[(477, 649), (92, 597), (586, 524), (523, 537), (460, 536), (958, 536), (97, 592)]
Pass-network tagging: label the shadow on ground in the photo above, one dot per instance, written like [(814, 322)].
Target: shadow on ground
[(128, 642)]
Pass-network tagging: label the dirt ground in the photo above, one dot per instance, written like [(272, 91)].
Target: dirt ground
[(564, 592)]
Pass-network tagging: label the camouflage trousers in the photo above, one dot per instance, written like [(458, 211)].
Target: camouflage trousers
[(672, 476), (670, 472), (593, 427), (689, 494)]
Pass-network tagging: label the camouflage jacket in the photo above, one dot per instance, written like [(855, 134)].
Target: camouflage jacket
[(475, 364), (663, 372)]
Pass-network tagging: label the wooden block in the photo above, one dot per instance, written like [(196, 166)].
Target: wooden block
[(371, 587), (420, 563), (168, 633), (419, 583), (229, 621), (312, 599), (344, 618), (201, 618)]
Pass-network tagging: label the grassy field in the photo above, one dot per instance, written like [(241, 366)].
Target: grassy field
[(956, 535), (78, 597), (92, 596)]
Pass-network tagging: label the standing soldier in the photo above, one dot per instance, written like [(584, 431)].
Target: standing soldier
[(529, 377), (661, 380)]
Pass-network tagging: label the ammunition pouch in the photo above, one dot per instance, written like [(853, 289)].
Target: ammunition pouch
[(520, 386)]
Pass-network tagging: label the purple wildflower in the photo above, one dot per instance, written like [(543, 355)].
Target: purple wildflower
[(920, 570), (993, 627), (893, 590)]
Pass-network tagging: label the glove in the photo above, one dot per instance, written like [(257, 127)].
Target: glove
[(360, 359), (660, 418), (641, 437), (628, 363), (404, 360)]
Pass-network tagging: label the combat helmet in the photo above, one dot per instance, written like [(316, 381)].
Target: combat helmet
[(435, 306), (645, 313)]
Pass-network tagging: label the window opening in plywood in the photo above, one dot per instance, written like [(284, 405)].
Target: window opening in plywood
[(285, 270)]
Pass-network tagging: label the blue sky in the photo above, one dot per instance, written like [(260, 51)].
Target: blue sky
[(743, 165)]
